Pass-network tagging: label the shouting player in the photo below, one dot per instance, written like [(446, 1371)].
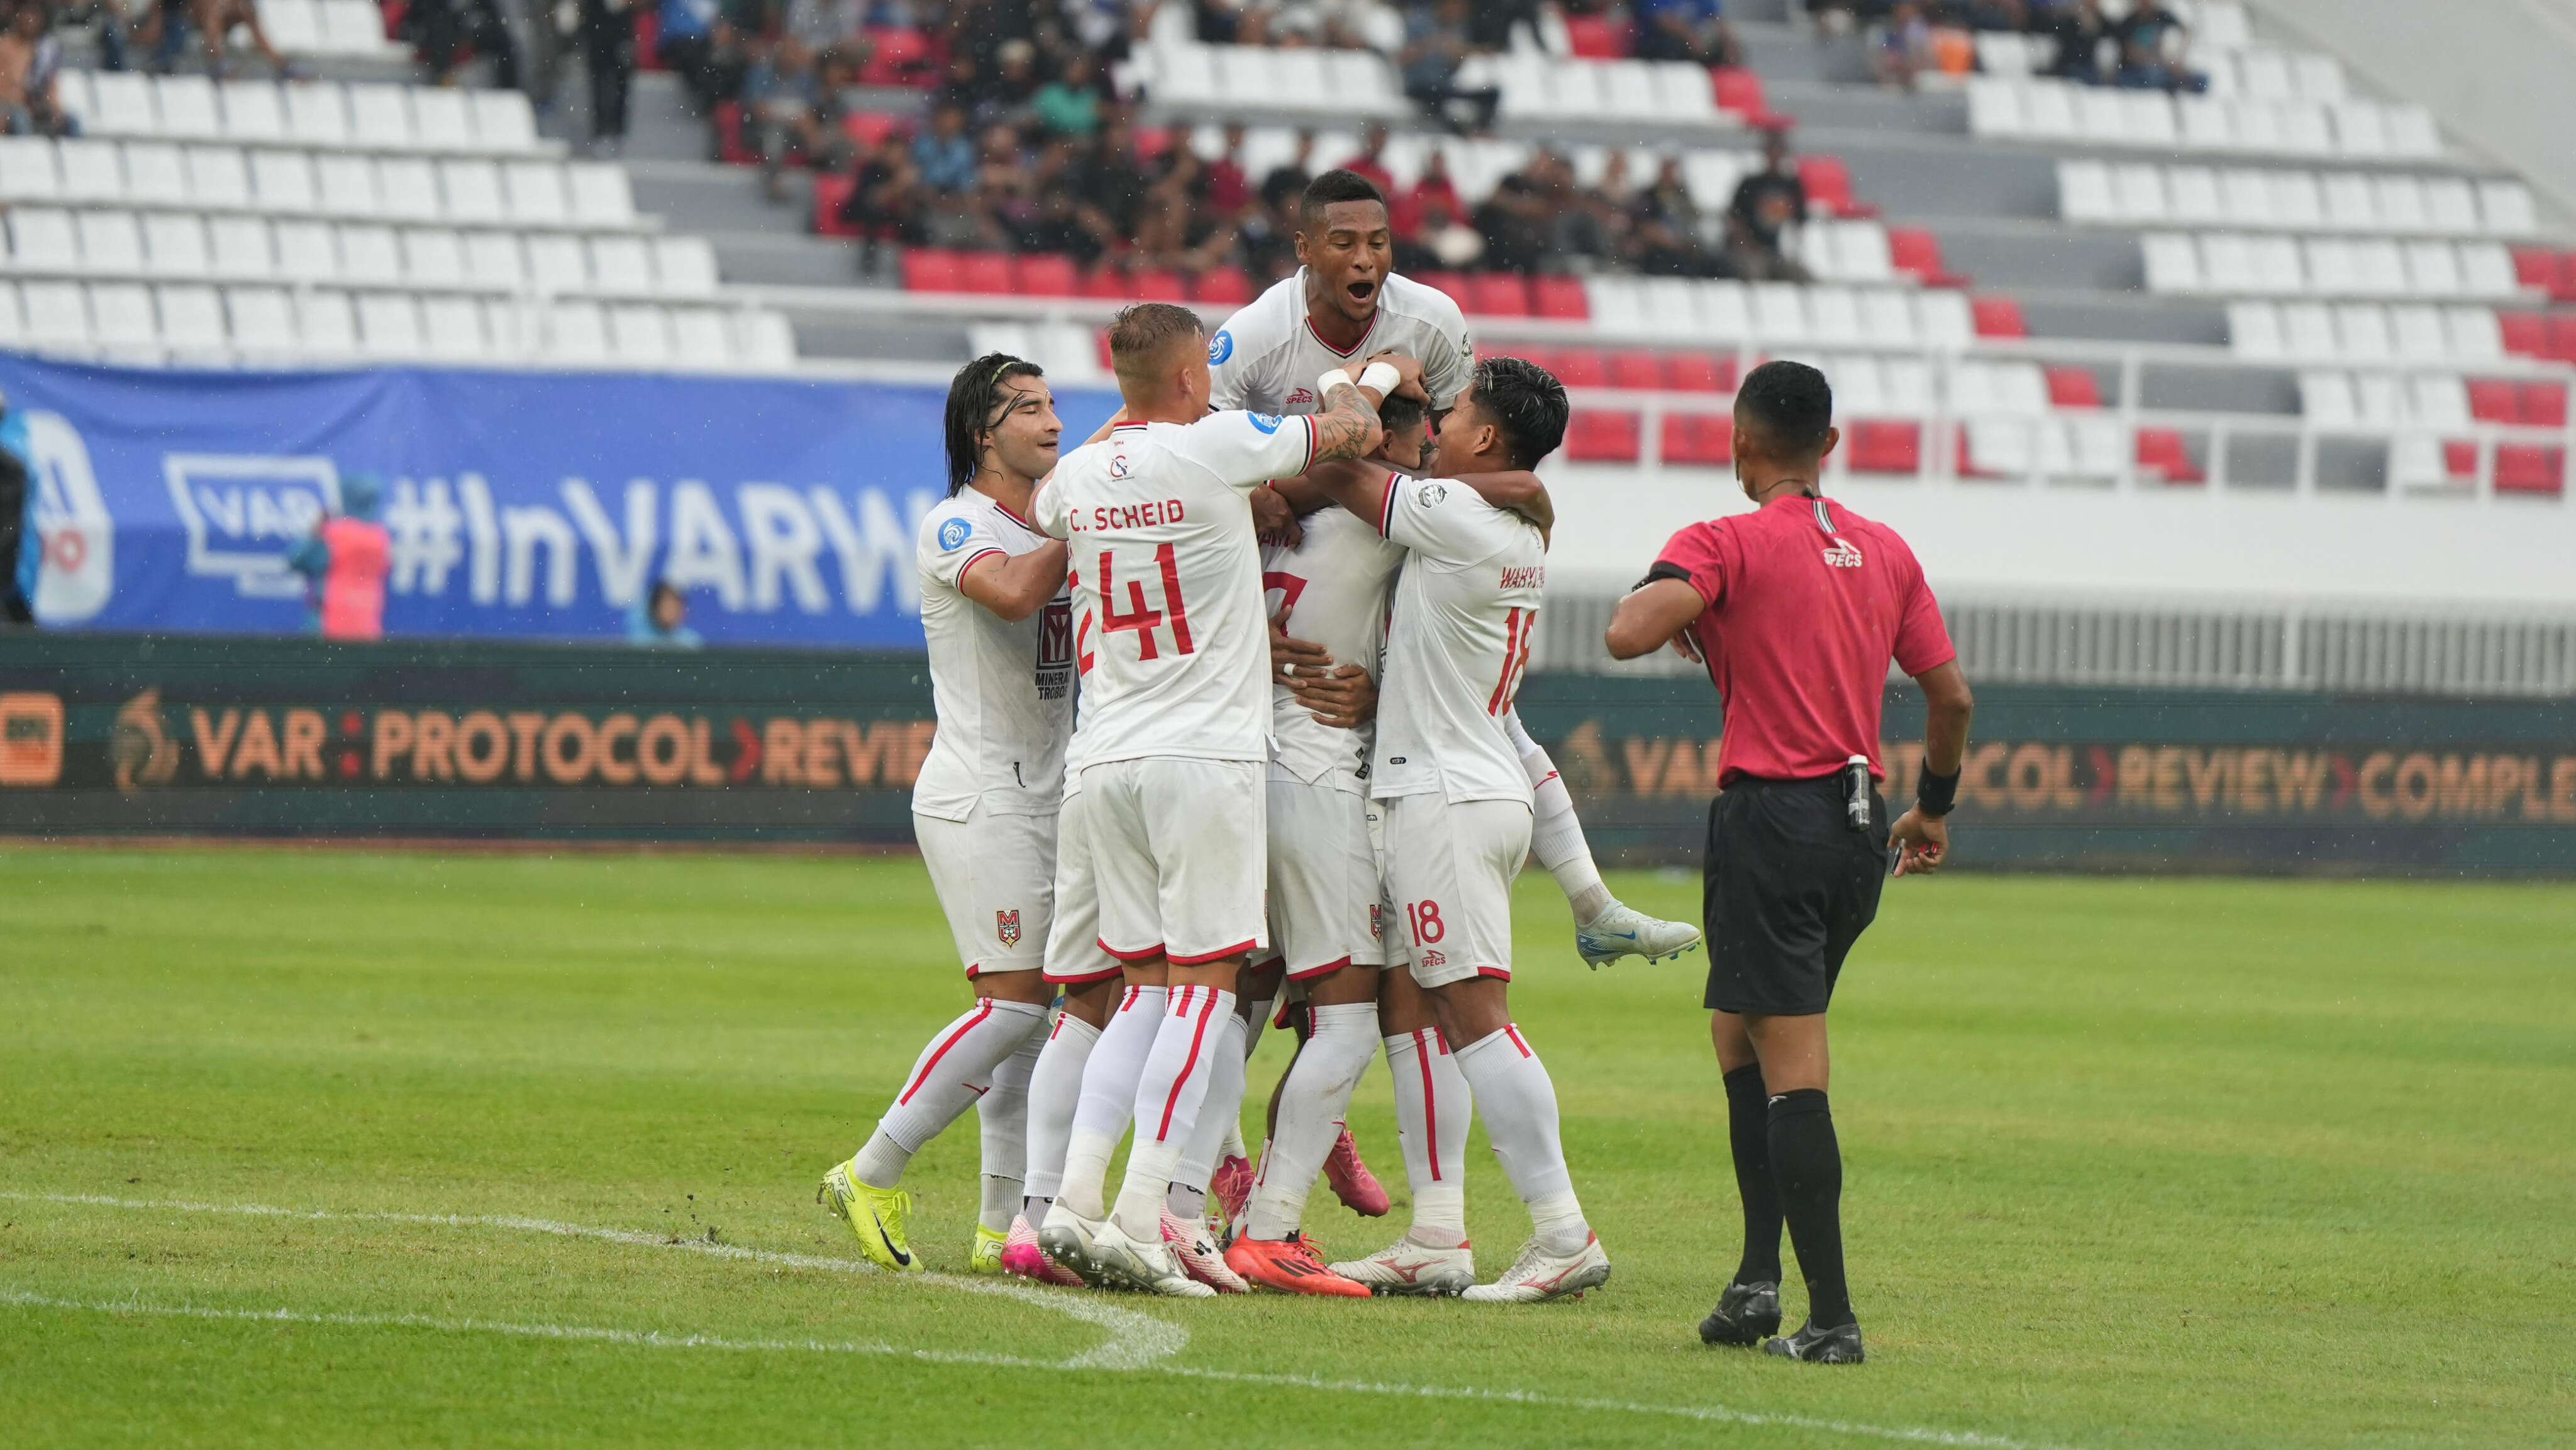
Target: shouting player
[(1345, 302), (998, 621), (1457, 803), (1168, 566)]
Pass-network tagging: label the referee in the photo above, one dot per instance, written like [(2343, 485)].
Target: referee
[(1796, 609)]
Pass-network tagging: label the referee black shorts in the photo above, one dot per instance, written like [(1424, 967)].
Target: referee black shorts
[(1788, 887)]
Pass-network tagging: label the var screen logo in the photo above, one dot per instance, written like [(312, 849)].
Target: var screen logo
[(69, 516), (244, 512)]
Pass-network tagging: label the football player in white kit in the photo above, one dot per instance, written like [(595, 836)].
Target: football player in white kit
[(1457, 804), (1346, 303), (998, 621), (1166, 562)]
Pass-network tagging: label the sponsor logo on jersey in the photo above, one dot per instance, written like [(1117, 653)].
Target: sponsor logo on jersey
[(952, 534), (1266, 422), (1220, 347), (1430, 494), (1843, 555), (1006, 925), (1301, 398)]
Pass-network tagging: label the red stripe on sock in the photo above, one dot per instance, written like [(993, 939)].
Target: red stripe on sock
[(1514, 1033), (1430, 1101), (1181, 1004), (1188, 1065), (971, 1023)]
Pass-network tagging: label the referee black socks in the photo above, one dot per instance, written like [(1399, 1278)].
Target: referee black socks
[(1807, 1164), (1748, 1131)]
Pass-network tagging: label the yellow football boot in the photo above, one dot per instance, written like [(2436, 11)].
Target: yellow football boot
[(876, 1215)]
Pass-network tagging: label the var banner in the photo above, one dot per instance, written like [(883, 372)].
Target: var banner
[(520, 505), (105, 735)]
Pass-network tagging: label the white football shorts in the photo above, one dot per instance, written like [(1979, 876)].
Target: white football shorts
[(995, 875), (1449, 868), (1324, 886), (1073, 954), (1178, 853)]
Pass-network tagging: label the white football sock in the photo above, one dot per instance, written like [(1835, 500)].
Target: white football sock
[(1055, 1088), (1223, 1110), (1108, 1099), (1256, 1020), (1312, 1105), (1512, 1086), (1175, 1083), (1556, 837), (1003, 1114), (944, 1082), (1433, 1107)]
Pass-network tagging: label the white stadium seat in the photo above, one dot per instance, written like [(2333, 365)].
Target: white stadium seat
[(452, 328), (317, 113), (494, 259), (57, 314), (42, 239), (192, 320), (407, 189), (557, 264), (175, 243), (389, 325), (471, 191), (536, 192), (240, 247), (110, 242), (435, 257), (120, 104), (283, 181), (253, 111), (121, 317), (27, 169), (640, 334), (764, 339), (91, 170), (370, 255), (440, 120), (306, 251), (380, 116), (684, 266), (326, 323), (576, 332), (262, 320), (218, 177)]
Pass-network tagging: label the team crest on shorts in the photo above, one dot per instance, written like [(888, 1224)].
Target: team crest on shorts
[(1006, 925)]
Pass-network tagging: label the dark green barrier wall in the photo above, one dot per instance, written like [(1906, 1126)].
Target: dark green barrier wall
[(290, 737)]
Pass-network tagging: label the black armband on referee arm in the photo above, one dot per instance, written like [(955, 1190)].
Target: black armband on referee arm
[(1936, 795), (1664, 569)]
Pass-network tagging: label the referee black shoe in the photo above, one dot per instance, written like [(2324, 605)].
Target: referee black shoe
[(1744, 1314), (1820, 1346)]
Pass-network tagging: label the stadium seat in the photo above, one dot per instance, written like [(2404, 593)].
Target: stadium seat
[(1828, 183), (1602, 437), (2523, 468), (1046, 274), (1597, 37), (932, 269), (2544, 405), (1700, 372), (1158, 286), (2074, 387), (2162, 454), (1222, 287), (1581, 367), (2561, 333), (1998, 317), (831, 189), (1638, 371), (1880, 446), (986, 272), (1106, 284), (2536, 267), (898, 56), (1498, 294), (1739, 92), (1560, 298), (2494, 401), (1698, 440), (868, 129)]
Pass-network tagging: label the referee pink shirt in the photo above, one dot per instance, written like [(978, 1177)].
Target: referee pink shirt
[(1807, 603)]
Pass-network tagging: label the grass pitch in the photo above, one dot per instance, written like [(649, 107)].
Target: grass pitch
[(2130, 1163)]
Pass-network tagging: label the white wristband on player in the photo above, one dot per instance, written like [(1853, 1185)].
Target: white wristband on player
[(1382, 377)]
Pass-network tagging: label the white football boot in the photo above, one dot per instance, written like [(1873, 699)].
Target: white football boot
[(1538, 1274), (1622, 930), (1146, 1267), (1195, 1249), (1405, 1267)]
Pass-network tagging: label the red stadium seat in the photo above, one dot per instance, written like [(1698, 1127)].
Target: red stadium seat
[(1699, 440), (2561, 345), (2521, 468), (1998, 317), (1918, 251), (2525, 333), (2536, 267), (1561, 297), (1740, 91), (1597, 37), (1594, 437), (2074, 387), (1640, 371), (730, 147), (1533, 354), (2564, 288), (899, 57), (930, 269), (2544, 405), (985, 272), (1157, 286), (1701, 372), (831, 188), (1453, 283), (1498, 294), (868, 129), (1222, 287), (2163, 454), (2460, 459), (1581, 367), (1829, 185), (1049, 274), (2492, 400), (1887, 447), (648, 38)]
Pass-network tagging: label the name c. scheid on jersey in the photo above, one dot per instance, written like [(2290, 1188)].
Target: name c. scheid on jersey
[(1110, 517)]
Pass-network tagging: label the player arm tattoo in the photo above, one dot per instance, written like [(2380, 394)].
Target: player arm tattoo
[(1348, 426)]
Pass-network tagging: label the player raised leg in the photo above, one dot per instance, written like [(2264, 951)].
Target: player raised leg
[(995, 615), (1605, 928)]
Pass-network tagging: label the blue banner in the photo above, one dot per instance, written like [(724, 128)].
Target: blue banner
[(520, 505)]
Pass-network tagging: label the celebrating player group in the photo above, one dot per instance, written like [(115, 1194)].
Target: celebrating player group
[(1294, 584)]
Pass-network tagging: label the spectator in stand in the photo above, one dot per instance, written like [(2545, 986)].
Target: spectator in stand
[(944, 155), (1436, 44), (1842, 17), (1109, 187), (1692, 30), (1578, 220), (1229, 190), (1269, 227), (1905, 47), (1181, 232), (1371, 162), (606, 29), (1514, 225), (687, 47), (346, 558), (1052, 224), (1288, 180), (1490, 23), (2080, 29), (660, 620), (31, 66), (792, 111), (162, 32), (1408, 210), (884, 204), (1664, 227), (445, 34), (1069, 105), (2151, 41), (1441, 239), (1011, 98), (1765, 202)]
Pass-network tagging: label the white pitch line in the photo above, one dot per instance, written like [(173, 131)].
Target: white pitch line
[(1137, 1343)]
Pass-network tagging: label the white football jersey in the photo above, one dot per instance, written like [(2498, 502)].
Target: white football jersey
[(1466, 609), (1003, 691), (1165, 563), (1267, 355), (1331, 589)]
